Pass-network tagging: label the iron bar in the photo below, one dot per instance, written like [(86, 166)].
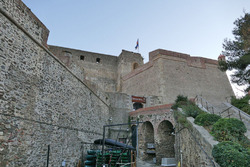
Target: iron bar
[(48, 155)]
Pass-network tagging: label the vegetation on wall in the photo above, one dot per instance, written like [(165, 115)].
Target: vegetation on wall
[(189, 108), (206, 119), (231, 154), (242, 103), (234, 147)]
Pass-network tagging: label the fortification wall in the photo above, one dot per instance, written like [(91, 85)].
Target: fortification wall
[(191, 143), (169, 74), (127, 62), (97, 68), (41, 101), (143, 81)]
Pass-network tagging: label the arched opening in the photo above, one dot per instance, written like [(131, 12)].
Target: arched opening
[(135, 66), (137, 105), (98, 60), (165, 142), (134, 136), (146, 141)]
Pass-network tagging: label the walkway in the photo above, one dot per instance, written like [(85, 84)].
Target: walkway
[(141, 163)]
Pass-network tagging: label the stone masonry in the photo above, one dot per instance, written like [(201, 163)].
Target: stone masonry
[(42, 102), (60, 98)]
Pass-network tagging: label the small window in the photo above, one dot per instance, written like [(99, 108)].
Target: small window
[(135, 66), (98, 60), (81, 57)]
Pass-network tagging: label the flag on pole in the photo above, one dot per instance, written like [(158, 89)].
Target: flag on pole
[(137, 44)]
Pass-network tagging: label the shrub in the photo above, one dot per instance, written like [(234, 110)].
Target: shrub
[(230, 154), (192, 110), (228, 129), (206, 119), (242, 103), (181, 98)]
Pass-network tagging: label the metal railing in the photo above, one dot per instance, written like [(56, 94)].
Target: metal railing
[(196, 141), (229, 112)]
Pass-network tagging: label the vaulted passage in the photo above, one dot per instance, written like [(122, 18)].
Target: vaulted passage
[(146, 143), (165, 142)]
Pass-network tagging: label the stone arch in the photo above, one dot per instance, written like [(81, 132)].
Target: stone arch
[(133, 135), (165, 141), (146, 139)]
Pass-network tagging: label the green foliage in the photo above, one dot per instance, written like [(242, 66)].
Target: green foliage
[(238, 52), (228, 129), (182, 119), (242, 103), (230, 154), (192, 110), (180, 100), (206, 119)]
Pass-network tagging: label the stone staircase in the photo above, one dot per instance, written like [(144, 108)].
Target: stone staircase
[(225, 110)]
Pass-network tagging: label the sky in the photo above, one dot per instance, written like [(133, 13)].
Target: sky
[(195, 27)]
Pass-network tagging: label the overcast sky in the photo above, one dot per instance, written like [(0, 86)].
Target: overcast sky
[(195, 27)]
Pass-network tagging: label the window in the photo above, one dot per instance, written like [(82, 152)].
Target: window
[(98, 60), (135, 66), (81, 57)]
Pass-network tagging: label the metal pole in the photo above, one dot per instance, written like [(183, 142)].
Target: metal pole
[(48, 155), (103, 142), (240, 115), (137, 143)]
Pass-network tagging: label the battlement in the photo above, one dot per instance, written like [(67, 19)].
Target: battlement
[(199, 62)]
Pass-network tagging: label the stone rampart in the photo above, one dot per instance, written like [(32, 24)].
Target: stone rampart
[(41, 102), (26, 19), (92, 68), (169, 74), (193, 146)]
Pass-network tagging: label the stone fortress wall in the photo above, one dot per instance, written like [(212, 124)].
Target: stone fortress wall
[(41, 101), (169, 74), (103, 71), (62, 97)]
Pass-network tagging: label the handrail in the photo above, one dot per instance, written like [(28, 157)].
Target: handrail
[(208, 106), (235, 108), (196, 141)]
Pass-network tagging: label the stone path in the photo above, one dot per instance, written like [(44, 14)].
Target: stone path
[(141, 163)]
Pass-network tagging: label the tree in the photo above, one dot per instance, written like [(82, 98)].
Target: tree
[(237, 52)]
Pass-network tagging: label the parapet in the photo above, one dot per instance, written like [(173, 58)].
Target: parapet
[(18, 12), (198, 62)]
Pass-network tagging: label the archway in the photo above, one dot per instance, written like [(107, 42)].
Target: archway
[(165, 142), (146, 141), (134, 136), (137, 105)]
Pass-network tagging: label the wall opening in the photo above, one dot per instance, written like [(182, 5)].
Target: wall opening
[(146, 143), (134, 136), (137, 105), (81, 57), (135, 66), (165, 142), (98, 60)]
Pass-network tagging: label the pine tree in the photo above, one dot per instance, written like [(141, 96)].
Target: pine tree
[(237, 52)]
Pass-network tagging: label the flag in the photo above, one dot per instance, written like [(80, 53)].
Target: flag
[(137, 44)]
